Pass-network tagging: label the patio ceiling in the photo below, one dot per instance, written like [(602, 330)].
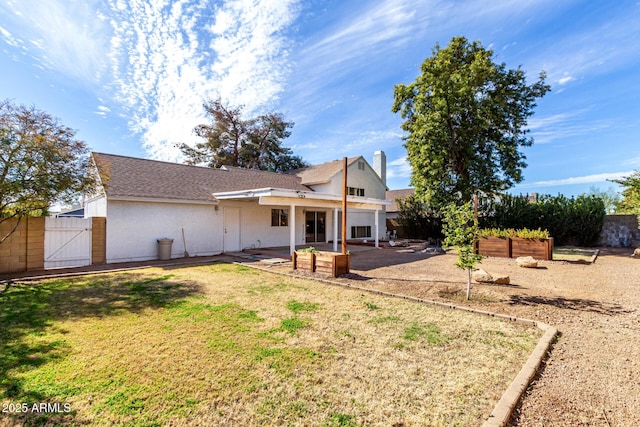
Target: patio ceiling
[(282, 197)]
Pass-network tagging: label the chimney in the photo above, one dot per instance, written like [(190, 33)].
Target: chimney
[(380, 165)]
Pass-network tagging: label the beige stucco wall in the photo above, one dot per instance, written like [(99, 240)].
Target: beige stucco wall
[(134, 227)]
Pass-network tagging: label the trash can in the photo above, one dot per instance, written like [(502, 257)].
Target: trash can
[(164, 248)]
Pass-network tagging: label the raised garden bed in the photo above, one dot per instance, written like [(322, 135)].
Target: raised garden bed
[(494, 246), (513, 246), (305, 261), (328, 263), (332, 263), (537, 248)]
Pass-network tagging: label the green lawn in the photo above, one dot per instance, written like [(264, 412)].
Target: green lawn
[(224, 344)]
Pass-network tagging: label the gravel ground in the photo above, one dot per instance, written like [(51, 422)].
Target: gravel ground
[(592, 374)]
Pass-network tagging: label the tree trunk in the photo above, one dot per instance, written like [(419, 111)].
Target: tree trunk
[(469, 284)]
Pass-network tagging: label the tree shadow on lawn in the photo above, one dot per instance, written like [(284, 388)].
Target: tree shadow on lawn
[(577, 304), (29, 310)]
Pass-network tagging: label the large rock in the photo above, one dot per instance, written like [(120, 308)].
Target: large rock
[(501, 280), (526, 262), (481, 276)]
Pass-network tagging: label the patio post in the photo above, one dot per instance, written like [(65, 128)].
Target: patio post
[(344, 205), (292, 229), (335, 229), (377, 220)]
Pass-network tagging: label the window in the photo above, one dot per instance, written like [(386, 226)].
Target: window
[(279, 217), (352, 191), (361, 166), (360, 231)]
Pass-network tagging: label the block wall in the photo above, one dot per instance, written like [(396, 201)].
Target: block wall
[(620, 231), (24, 248)]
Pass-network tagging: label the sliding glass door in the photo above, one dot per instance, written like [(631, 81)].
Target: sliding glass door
[(315, 227)]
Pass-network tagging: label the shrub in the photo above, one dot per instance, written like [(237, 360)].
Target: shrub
[(420, 220), (523, 233)]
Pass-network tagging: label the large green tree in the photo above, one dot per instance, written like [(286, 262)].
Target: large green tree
[(232, 140), (466, 121), (41, 162), (630, 202)]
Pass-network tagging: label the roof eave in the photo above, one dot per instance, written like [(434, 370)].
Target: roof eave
[(265, 194), (161, 200)]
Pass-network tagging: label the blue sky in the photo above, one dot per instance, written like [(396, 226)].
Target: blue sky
[(131, 75)]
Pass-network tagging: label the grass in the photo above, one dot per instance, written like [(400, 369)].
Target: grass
[(572, 254), (227, 345)]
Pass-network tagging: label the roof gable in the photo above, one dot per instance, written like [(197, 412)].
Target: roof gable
[(394, 195), (323, 172), (130, 177)]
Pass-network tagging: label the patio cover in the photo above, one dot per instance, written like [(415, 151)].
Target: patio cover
[(298, 198)]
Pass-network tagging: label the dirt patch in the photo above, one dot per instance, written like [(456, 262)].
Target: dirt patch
[(592, 376)]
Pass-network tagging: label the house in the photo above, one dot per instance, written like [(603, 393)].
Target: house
[(393, 195), (393, 212), (76, 212), (230, 209)]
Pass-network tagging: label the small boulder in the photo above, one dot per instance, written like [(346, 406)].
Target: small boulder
[(501, 280), (636, 253), (481, 276), (526, 262)]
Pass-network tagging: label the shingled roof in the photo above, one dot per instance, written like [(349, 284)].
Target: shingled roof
[(393, 195), (130, 177), (321, 173)]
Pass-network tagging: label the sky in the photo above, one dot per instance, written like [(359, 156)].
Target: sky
[(131, 76)]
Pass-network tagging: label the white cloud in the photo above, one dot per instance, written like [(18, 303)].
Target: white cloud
[(399, 168), (598, 49), (586, 179), (161, 59), (365, 31), (9, 39), (565, 79), (168, 59), (547, 129), (634, 161), (60, 35), (103, 110)]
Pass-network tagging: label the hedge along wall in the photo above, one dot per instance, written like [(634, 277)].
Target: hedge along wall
[(620, 231), (570, 221), (24, 249)]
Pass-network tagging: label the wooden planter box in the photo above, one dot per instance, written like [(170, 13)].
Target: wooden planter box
[(305, 261), (514, 247), (494, 246), (537, 248), (332, 263), (328, 263)]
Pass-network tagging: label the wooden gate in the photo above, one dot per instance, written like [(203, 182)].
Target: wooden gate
[(67, 242)]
